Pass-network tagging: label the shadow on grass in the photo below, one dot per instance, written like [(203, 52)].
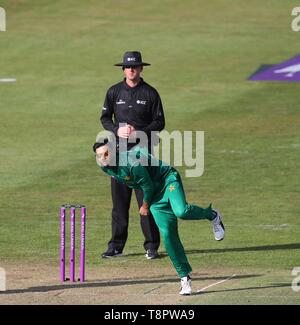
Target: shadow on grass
[(271, 286), (161, 255), (114, 283), (245, 249), (228, 250)]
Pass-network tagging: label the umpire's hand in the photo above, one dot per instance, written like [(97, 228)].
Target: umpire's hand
[(124, 131), (144, 209)]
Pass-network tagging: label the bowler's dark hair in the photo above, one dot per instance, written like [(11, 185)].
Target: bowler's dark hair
[(100, 143)]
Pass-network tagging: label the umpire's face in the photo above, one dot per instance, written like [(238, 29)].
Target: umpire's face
[(133, 73), (103, 156)]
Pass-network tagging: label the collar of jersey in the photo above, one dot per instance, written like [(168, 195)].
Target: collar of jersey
[(132, 88)]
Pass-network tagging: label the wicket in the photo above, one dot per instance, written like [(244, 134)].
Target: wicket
[(72, 242)]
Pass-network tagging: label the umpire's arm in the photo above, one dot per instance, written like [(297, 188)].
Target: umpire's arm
[(158, 118), (107, 114)]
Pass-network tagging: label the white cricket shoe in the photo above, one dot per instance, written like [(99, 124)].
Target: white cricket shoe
[(218, 227), (186, 286)]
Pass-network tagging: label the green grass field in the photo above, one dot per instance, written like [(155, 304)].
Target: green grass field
[(62, 55)]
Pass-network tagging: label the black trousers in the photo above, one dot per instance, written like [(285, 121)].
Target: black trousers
[(121, 197)]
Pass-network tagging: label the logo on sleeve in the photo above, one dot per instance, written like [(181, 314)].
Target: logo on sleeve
[(171, 188)]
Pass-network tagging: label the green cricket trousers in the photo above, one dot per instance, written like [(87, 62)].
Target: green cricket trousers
[(171, 205)]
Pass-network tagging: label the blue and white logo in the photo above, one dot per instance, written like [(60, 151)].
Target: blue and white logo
[(286, 71), (290, 70)]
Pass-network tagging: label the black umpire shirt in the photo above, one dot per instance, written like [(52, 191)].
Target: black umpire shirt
[(139, 106)]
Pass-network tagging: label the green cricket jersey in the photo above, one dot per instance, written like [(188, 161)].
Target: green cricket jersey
[(151, 179), (164, 192)]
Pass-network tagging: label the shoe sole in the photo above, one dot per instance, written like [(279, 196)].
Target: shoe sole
[(222, 225)]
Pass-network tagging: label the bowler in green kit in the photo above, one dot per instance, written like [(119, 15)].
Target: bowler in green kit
[(163, 195)]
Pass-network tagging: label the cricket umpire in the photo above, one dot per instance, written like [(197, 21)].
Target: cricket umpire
[(131, 105)]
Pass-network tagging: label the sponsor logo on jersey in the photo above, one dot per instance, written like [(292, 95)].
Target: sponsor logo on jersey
[(141, 102), (120, 101)]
